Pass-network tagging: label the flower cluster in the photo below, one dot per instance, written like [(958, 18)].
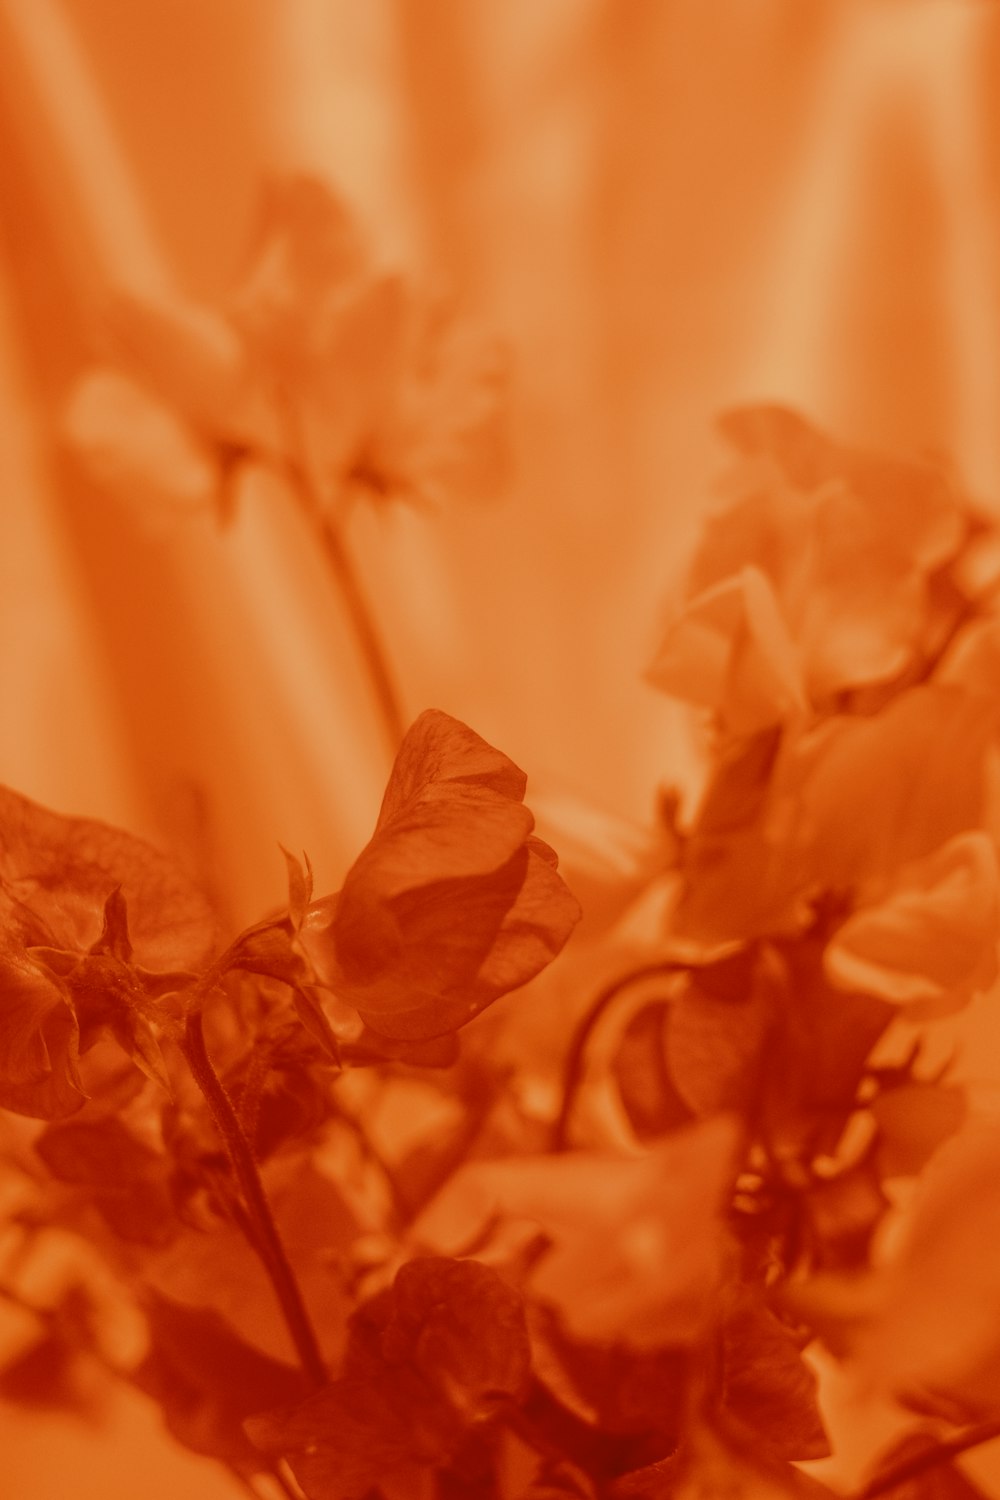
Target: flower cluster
[(357, 1222)]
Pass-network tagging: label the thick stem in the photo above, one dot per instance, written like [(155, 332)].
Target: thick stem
[(931, 1457), (576, 1056), (267, 1240)]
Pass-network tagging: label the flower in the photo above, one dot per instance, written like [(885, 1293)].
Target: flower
[(322, 365), (814, 577), (70, 957), (453, 902), (650, 1283)]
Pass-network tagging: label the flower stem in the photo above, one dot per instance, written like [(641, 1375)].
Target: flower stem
[(301, 477), (267, 1240), (914, 1464), (576, 1056), (366, 634)]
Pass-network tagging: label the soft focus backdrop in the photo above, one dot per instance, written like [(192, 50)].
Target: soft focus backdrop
[(663, 207)]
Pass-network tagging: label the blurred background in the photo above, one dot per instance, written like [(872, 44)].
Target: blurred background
[(662, 207)]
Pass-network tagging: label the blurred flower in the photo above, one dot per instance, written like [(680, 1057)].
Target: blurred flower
[(921, 1326), (453, 903), (652, 1282), (838, 809), (812, 576), (321, 365), (649, 1283)]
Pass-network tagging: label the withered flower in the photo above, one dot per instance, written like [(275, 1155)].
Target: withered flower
[(94, 925)]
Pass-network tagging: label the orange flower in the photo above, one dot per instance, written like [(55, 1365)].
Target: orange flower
[(453, 903)]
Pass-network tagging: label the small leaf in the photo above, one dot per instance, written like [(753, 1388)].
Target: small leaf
[(300, 887)]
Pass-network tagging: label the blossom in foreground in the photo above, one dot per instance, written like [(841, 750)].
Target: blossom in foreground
[(453, 903)]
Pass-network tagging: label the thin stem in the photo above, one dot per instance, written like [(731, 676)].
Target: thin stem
[(915, 1464), (267, 1240), (359, 611), (366, 634), (576, 1056)]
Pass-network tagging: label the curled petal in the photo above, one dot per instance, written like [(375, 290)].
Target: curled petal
[(137, 447)]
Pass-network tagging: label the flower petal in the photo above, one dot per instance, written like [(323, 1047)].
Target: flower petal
[(136, 447), (731, 652), (438, 748), (933, 939)]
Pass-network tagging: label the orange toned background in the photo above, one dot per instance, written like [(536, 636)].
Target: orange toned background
[(664, 206)]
